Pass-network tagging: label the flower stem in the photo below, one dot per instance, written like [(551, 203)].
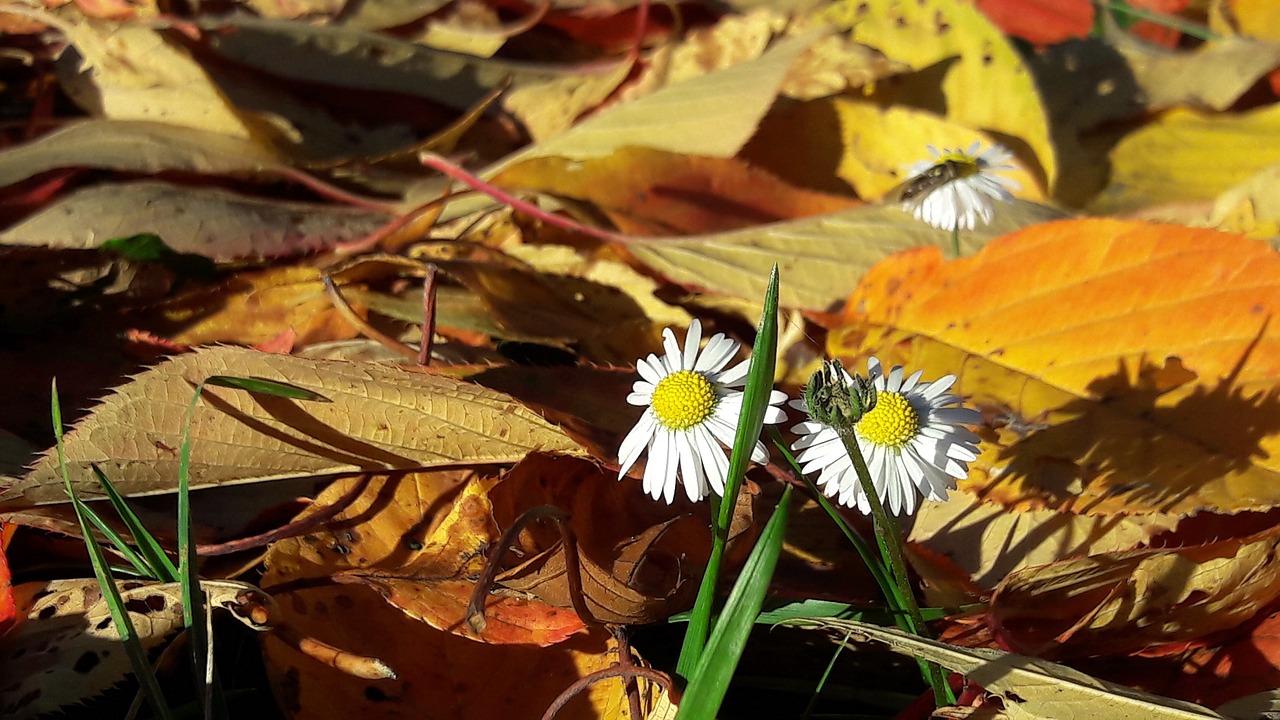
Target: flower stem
[(955, 240), (890, 538)]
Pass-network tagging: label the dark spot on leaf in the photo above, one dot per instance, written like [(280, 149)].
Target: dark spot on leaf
[(344, 601), (46, 613), (87, 662), (103, 624), (147, 605), (863, 8), (987, 58), (941, 23), (373, 694)]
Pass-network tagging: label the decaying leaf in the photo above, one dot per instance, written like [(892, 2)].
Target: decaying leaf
[(66, 649), (1133, 365), (435, 583), (989, 541), (1032, 689), (1118, 603), (373, 418)]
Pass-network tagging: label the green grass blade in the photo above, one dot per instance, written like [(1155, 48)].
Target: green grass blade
[(759, 386), (194, 610), (260, 386), (140, 568), (711, 677), (156, 560), (110, 593)]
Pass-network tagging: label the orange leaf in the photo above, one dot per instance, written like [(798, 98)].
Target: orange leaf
[(1122, 367), (1125, 602), (8, 609), (1043, 22)]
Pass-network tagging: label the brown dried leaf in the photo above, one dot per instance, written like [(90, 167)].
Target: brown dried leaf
[(375, 418)]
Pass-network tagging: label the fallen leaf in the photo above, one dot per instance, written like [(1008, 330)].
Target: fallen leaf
[(1119, 603), (136, 146), (819, 257), (1213, 76), (65, 649), (985, 84), (651, 192), (372, 418), (880, 143), (131, 72), (1043, 22), (206, 221), (1084, 336), (1031, 689), (1252, 207), (1187, 155), (435, 584), (989, 541)]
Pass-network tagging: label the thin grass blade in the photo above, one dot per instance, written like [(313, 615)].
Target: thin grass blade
[(759, 386), (711, 677), (110, 593), (259, 386), (161, 567)]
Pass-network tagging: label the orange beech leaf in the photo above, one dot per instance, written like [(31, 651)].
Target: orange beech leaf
[(1121, 367), (435, 583), (1040, 21), (1126, 602)]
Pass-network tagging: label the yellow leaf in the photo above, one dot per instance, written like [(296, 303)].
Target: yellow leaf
[(879, 143), (985, 83), (1187, 155)]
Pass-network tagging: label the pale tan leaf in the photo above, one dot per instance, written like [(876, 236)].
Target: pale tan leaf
[(130, 72), (375, 418), (1212, 76), (1032, 689), (989, 541), (713, 115), (820, 258), (135, 146), (215, 223)]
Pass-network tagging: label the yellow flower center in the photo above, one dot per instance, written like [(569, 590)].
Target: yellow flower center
[(683, 400), (892, 422)]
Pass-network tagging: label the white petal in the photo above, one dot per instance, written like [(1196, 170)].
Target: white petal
[(718, 352), (635, 442), (650, 369), (690, 468), (692, 341), (671, 360), (734, 375)]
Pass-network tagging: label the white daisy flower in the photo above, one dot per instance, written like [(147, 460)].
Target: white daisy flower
[(690, 410), (913, 440), (956, 188)]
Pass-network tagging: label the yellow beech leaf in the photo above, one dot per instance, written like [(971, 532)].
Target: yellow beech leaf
[(879, 143), (1187, 155), (985, 83), (1121, 367)]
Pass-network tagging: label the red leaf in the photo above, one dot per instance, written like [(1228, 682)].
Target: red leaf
[(1042, 22)]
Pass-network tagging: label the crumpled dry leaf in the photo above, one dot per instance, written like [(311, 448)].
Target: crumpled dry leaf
[(1212, 76), (989, 541), (434, 584), (1117, 603), (373, 418)]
